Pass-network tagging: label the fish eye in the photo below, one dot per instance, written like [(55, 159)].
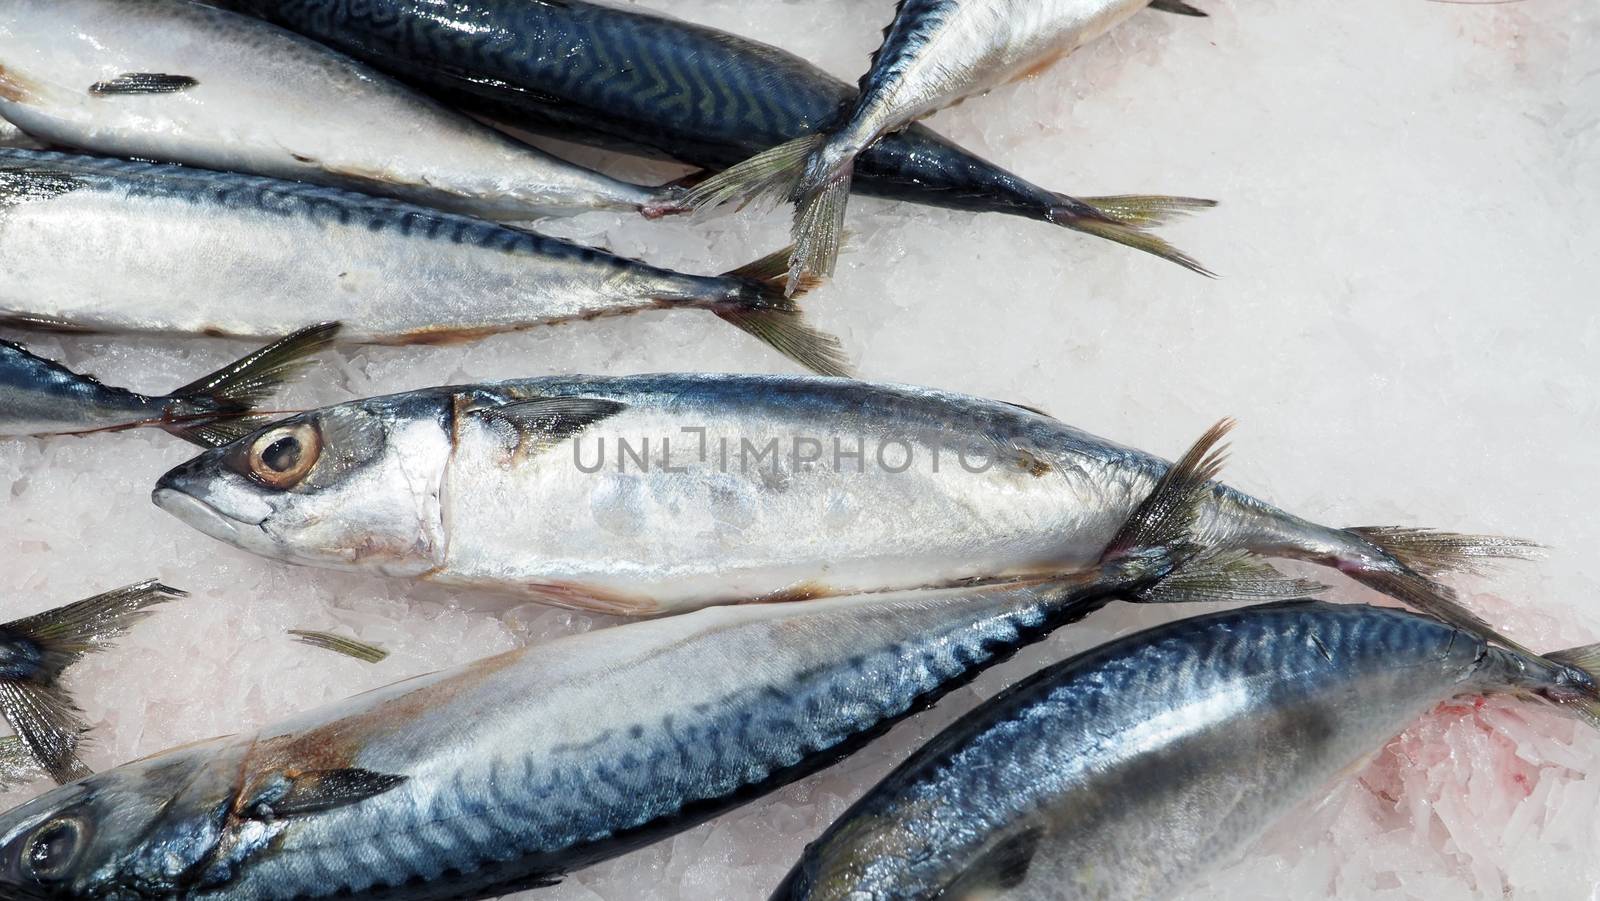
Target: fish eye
[(281, 457), (52, 850)]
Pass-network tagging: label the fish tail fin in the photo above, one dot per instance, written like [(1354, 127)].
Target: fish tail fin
[(1400, 562), (1125, 220), (221, 406), (765, 312), (771, 174), (1159, 549), (1580, 691), (818, 227), (33, 702)]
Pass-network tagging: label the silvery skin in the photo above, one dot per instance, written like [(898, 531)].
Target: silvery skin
[(507, 773), (645, 495), (179, 81), (1125, 772), (106, 245)]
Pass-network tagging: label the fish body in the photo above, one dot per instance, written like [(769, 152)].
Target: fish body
[(628, 78), (654, 494), (41, 397), (507, 773), (113, 246), (179, 81), (1124, 772)]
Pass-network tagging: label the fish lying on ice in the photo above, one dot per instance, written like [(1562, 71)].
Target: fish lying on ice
[(620, 76), (506, 773), (1124, 772), (36, 650), (110, 246), (179, 81), (39, 397), (935, 53), (651, 494)]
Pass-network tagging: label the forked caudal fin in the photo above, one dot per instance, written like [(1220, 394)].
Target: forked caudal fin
[(1125, 219), (776, 174), (31, 698), (1399, 562), (1161, 535), (220, 407), (776, 319)]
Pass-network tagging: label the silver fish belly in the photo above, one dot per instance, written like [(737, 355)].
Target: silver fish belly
[(114, 246), (652, 494), (1120, 774), (178, 81)]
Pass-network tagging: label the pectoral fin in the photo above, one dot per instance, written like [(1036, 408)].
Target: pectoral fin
[(314, 791), (1001, 868), (529, 427)]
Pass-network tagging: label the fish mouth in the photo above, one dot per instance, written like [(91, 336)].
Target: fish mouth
[(198, 514), (189, 493)]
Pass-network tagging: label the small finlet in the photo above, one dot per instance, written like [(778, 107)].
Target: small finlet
[(220, 407), (142, 83), (349, 647)]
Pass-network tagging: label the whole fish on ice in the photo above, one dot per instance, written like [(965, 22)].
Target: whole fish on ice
[(934, 53), (111, 246), (1123, 773), (40, 397), (652, 494), (621, 76), (507, 773), (180, 81)]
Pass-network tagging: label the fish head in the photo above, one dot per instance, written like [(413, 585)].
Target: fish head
[(148, 829), (354, 486)]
